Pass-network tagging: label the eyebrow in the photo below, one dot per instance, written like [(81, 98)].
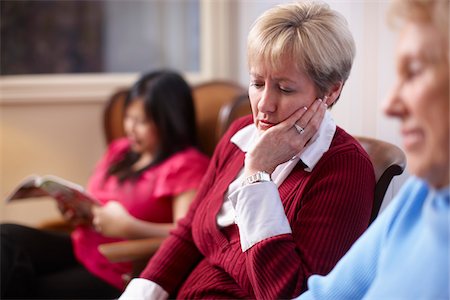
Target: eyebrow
[(274, 78)]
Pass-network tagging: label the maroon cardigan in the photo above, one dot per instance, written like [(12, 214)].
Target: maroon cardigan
[(328, 209)]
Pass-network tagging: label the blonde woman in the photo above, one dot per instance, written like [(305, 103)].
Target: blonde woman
[(405, 253), (287, 191)]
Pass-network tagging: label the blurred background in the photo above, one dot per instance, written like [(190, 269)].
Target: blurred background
[(61, 61)]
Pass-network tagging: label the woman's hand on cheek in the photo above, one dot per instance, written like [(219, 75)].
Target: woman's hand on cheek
[(283, 141), (111, 220)]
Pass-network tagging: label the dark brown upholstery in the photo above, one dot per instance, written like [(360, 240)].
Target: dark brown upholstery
[(113, 115), (232, 111), (210, 97)]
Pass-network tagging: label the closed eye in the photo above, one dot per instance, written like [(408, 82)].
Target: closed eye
[(285, 90), (256, 84)]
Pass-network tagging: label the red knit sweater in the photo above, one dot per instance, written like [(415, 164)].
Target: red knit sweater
[(328, 209)]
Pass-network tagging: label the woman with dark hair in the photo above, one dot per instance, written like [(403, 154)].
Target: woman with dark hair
[(145, 183)]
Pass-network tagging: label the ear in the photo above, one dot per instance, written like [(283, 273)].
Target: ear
[(333, 94)]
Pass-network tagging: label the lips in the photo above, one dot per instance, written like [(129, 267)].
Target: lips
[(264, 125), (412, 137)]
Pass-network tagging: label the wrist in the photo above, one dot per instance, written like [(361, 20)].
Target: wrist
[(259, 176)]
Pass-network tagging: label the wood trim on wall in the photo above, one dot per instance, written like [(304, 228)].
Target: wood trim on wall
[(65, 88), (60, 88)]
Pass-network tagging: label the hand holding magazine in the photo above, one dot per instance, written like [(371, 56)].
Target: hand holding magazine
[(70, 196)]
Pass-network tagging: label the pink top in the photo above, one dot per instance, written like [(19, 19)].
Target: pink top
[(148, 198)]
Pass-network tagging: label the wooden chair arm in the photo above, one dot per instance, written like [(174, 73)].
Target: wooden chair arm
[(57, 224), (130, 250)]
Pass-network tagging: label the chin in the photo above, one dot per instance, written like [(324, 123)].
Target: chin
[(136, 149), (427, 168)]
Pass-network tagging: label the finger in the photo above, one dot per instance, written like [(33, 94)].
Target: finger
[(69, 214), (314, 122), (304, 120), (98, 228), (95, 220), (95, 210), (292, 119)]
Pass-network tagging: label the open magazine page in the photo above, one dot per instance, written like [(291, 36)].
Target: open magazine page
[(68, 194), (27, 188)]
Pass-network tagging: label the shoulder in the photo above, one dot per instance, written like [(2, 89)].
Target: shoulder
[(119, 145), (345, 144), (413, 193), (116, 150), (189, 155), (187, 160), (406, 207), (344, 159)]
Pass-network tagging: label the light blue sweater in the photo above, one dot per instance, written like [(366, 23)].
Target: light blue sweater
[(403, 255)]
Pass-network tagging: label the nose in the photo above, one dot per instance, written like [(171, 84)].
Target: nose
[(267, 101), (393, 104), (129, 125)]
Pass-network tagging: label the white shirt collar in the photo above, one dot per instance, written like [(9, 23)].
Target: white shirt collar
[(311, 154)]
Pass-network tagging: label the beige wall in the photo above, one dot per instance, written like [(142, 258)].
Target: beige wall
[(64, 139), (49, 125)]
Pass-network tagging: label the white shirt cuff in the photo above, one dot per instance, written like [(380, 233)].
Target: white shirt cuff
[(259, 213), (143, 289)]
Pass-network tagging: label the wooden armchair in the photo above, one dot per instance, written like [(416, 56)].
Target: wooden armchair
[(388, 161)]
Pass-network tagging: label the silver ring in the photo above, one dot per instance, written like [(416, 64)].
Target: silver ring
[(299, 129)]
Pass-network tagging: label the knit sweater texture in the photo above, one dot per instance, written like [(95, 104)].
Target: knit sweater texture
[(328, 209), (403, 255)]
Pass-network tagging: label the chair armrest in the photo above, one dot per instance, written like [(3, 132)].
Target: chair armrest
[(130, 250), (57, 224)]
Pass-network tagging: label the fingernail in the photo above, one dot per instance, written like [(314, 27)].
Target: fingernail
[(320, 100), (305, 108)]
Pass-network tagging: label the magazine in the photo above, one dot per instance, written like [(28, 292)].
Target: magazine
[(68, 194)]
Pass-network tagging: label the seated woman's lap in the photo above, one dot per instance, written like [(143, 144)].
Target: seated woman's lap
[(42, 264), (48, 251)]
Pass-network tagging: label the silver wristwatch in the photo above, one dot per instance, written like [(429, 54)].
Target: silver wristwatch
[(259, 176)]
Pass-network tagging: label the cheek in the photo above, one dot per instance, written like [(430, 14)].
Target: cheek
[(427, 100), (142, 131), (127, 126), (151, 135), (291, 104), (253, 96)]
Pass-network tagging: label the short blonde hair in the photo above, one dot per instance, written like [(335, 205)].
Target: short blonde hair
[(314, 36)]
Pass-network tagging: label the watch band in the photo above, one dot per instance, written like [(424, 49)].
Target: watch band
[(259, 176)]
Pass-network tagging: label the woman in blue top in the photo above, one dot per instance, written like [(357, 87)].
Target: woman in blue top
[(405, 253)]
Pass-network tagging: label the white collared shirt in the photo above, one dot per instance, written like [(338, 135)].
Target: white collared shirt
[(242, 205)]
